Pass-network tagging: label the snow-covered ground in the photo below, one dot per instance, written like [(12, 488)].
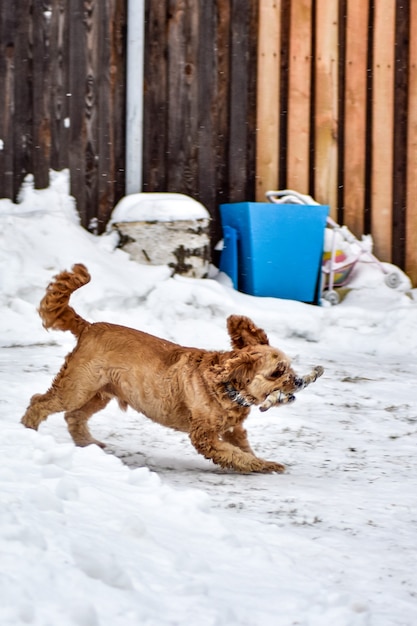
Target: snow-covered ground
[(149, 533)]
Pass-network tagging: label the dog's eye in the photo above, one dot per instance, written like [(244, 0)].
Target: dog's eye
[(281, 368), (277, 373)]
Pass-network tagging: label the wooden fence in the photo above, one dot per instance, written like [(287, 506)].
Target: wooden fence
[(337, 113), (240, 96), (62, 99), (200, 100)]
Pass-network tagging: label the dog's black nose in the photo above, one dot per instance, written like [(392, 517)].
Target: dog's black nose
[(298, 382)]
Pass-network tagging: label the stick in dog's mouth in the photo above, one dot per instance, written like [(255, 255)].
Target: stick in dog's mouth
[(279, 397)]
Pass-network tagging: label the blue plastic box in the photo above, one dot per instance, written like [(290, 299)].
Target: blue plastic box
[(274, 249)]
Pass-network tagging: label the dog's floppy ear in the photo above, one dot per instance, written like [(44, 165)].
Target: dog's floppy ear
[(243, 332), (238, 367)]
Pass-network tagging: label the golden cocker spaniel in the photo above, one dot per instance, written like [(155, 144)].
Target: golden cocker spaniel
[(207, 394)]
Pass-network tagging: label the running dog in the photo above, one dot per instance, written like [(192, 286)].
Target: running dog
[(207, 394)]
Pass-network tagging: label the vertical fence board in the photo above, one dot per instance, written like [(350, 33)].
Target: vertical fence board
[(283, 101), (383, 127), (77, 130), (59, 85), (221, 105), (213, 86), (400, 132), (249, 190), (240, 110), (211, 89), (117, 92), (105, 178), (155, 118), (92, 12), (326, 105), (182, 163), (213, 122), (411, 234), (268, 98), (355, 115), (7, 102), (22, 119), (41, 134), (208, 88), (238, 101), (299, 105)]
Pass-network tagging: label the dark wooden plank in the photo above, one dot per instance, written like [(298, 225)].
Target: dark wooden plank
[(110, 69), (402, 34), (284, 92), (239, 102), (7, 80), (83, 153), (242, 140), (207, 97), (367, 215), (22, 119), (105, 105), (92, 10), (252, 25), (213, 114), (155, 124), (411, 224), (342, 94), (59, 68), (220, 109), (77, 128), (118, 94), (182, 149), (41, 133)]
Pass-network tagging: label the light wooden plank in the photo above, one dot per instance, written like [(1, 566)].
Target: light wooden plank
[(411, 214), (383, 127), (267, 105), (326, 105), (355, 115), (299, 105)]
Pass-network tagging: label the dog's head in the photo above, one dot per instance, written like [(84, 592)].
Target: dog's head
[(254, 369)]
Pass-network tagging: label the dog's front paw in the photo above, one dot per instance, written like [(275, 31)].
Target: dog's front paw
[(268, 467), (277, 468)]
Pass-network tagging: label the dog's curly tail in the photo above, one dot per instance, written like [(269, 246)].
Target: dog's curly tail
[(54, 308)]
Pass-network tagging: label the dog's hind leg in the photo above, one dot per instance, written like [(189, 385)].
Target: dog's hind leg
[(77, 420), (41, 405), (67, 393)]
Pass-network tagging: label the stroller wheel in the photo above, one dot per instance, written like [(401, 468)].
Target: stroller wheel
[(392, 280), (332, 296)]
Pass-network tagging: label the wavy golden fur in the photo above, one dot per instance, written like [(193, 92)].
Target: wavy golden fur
[(207, 394)]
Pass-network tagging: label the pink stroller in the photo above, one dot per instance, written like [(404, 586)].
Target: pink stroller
[(337, 264)]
